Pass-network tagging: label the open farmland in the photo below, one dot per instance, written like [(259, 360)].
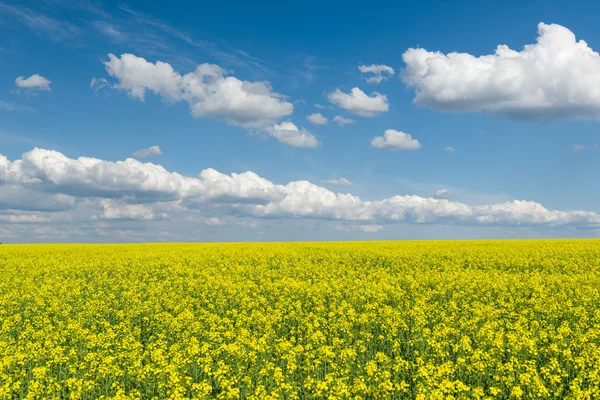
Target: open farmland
[(425, 320)]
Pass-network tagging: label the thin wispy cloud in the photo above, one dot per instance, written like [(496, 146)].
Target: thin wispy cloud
[(90, 6), (228, 55), (442, 193), (8, 106), (376, 73), (42, 24), (311, 66), (164, 27), (337, 182), (99, 86), (109, 30)]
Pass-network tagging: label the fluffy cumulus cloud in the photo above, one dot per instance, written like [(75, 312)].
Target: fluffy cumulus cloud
[(290, 134), (52, 171), (34, 83), (450, 149), (359, 103), (45, 186), (376, 73), (317, 118), (148, 152), (395, 140), (336, 182), (208, 90), (554, 78), (341, 121)]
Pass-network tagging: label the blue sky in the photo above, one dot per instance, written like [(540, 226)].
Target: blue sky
[(523, 126)]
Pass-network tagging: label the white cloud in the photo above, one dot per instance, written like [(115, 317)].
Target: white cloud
[(395, 140), (450, 149), (288, 133), (42, 24), (377, 72), (359, 103), (341, 121), (148, 152), (554, 78), (99, 85), (131, 190), (362, 228), (320, 106), (370, 228), (109, 30), (93, 177), (115, 210), (442, 193), (336, 182), (35, 83), (317, 118), (208, 90), (578, 147), (23, 218)]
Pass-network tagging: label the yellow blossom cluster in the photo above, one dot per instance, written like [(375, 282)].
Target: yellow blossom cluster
[(361, 320)]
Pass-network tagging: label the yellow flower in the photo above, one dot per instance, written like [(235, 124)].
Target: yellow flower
[(425, 320)]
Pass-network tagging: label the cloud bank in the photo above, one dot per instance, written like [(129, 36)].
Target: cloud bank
[(136, 191)]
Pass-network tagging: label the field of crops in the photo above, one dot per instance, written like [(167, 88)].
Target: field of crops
[(377, 320)]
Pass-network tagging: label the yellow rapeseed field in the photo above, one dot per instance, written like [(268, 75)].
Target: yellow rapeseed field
[(363, 320)]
